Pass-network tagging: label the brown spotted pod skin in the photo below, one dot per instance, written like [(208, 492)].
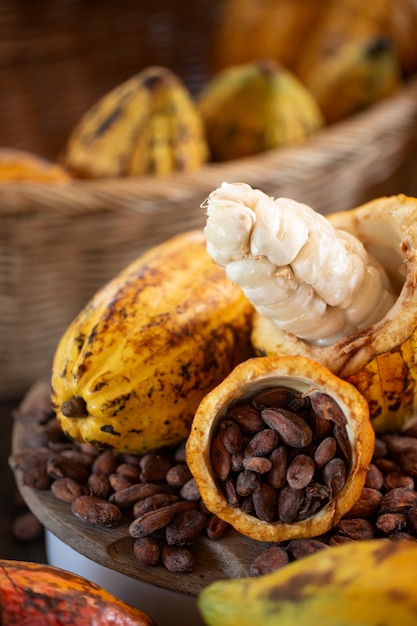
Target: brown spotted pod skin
[(131, 369), (33, 593)]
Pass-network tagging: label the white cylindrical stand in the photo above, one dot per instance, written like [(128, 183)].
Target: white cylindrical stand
[(167, 608)]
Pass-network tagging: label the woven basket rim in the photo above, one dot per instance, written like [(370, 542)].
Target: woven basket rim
[(336, 143)]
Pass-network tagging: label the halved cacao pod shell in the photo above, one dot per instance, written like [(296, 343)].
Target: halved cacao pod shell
[(380, 360), (312, 384)]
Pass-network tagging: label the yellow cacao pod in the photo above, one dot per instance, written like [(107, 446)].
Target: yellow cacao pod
[(253, 107), (21, 165), (379, 360), (347, 21), (276, 29), (304, 34), (130, 370), (356, 76), (364, 583), (253, 398), (147, 125)]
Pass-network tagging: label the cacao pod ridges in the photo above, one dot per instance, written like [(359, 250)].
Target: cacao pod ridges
[(147, 125), (363, 583), (250, 108), (356, 76), (130, 370)]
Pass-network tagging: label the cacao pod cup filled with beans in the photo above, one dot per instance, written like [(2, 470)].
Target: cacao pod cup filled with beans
[(280, 449)]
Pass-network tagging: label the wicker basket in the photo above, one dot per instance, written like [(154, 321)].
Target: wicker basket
[(59, 243)]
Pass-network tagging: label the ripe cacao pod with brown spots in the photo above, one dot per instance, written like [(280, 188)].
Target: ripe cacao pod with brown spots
[(131, 369), (364, 583)]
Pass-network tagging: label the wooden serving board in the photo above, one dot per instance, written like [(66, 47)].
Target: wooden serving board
[(227, 557)]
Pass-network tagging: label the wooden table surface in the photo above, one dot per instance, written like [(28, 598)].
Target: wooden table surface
[(227, 557)]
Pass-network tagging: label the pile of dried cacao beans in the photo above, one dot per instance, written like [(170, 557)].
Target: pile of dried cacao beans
[(282, 456), (167, 514)]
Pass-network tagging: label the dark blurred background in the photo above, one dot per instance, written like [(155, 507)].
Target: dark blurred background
[(21, 537)]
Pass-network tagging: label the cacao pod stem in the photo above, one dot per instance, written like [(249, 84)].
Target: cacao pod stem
[(74, 407)]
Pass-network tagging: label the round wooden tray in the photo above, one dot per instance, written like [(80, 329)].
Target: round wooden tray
[(227, 557)]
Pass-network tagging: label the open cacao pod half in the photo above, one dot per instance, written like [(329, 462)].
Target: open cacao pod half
[(380, 360), (280, 448)]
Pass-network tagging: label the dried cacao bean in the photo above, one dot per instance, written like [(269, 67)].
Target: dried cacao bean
[(154, 466), (151, 503), (277, 475), (300, 472), (126, 498), (220, 458), (105, 463), (326, 408), (325, 451), (334, 474), (231, 493), (67, 489), (177, 559), (96, 511), (299, 548), (147, 551), (99, 486), (262, 443), (367, 505), (185, 528), (278, 397), (337, 540), (151, 521), (374, 477), (258, 464), (216, 527), (63, 467), (265, 502), (27, 527), (386, 465), (231, 436), (391, 522), (248, 418), (247, 482), (178, 475), (29, 458), (289, 504), (340, 434), (37, 478), (398, 500), (398, 479), (190, 492), (129, 472), (293, 430), (118, 482), (356, 528), (269, 561)]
